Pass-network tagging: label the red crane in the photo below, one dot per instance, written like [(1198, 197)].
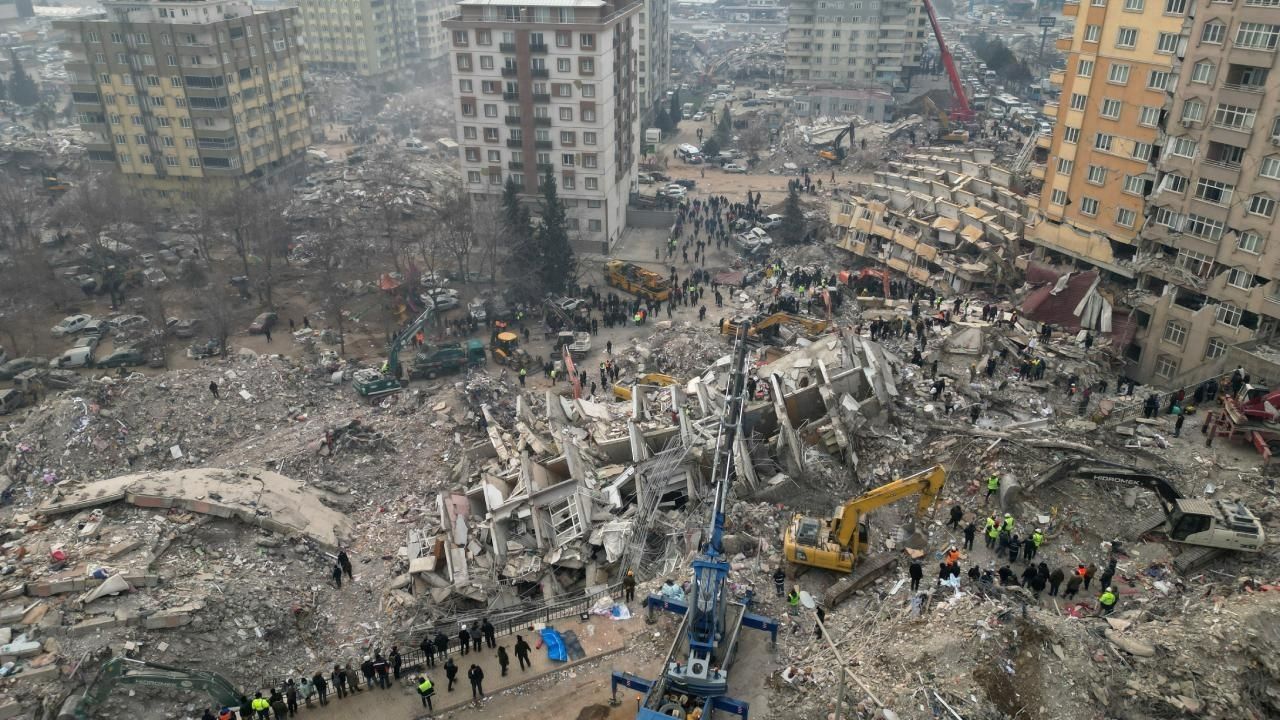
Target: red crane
[(960, 110)]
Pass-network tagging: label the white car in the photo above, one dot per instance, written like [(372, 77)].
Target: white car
[(771, 221), (74, 358), (673, 191), (735, 168), (699, 116), (71, 325)]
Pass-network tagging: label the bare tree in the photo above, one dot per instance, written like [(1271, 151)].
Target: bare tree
[(455, 230), (22, 212), (216, 311), (491, 236), (271, 237), (388, 204), (330, 255), (753, 139)]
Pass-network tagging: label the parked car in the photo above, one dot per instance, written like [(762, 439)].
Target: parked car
[(442, 302), (10, 369), (476, 310), (699, 116), (659, 177), (735, 168), (771, 221), (97, 328), (71, 325), (673, 191), (124, 357), (185, 328), (74, 358), (264, 322), (686, 184), (155, 276), (122, 323), (87, 341), (644, 179)]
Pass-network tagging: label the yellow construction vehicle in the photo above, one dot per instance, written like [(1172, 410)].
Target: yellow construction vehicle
[(636, 280), (623, 391), (836, 543), (811, 327), (948, 135)]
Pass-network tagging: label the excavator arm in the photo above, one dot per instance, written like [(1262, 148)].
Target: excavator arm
[(123, 671), (397, 342), (926, 483)]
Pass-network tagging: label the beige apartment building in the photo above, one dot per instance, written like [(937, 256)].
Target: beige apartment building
[(654, 65), (550, 86), (433, 38), (370, 38), (1118, 76), (184, 96), (854, 43), (1211, 262)]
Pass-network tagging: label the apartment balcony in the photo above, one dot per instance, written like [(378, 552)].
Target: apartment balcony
[(1258, 89), (510, 72), (1057, 77), (541, 98), (506, 47), (542, 122), (1070, 9), (538, 48), (1037, 171), (1044, 141), (542, 144), (513, 165), (515, 120), (544, 168), (541, 73), (510, 96), (515, 143)]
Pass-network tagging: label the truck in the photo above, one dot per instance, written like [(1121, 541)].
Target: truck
[(444, 359), (652, 136), (686, 111), (636, 280)]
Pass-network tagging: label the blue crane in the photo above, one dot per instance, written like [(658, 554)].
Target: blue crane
[(696, 671)]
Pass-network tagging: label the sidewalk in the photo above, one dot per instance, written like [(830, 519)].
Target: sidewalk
[(401, 701)]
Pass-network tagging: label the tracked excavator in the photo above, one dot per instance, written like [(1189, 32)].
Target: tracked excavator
[(836, 153), (810, 327), (838, 543)]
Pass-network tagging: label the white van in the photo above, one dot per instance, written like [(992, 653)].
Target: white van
[(76, 357)]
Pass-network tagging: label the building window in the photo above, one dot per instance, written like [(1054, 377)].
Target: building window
[(1149, 116), (1234, 117), (464, 62), (1097, 174), (568, 182), (1065, 166), (588, 90), (1103, 141), (586, 66), (566, 114), (568, 159), (472, 154), (1071, 135), (1202, 72), (1240, 279), (1257, 36), (589, 161), (465, 86), (588, 138), (1111, 108), (1127, 37), (490, 110), (564, 65), (486, 62), (1176, 333), (591, 183), (1092, 33), (193, 162), (1089, 206), (468, 109), (568, 138), (1214, 33), (1118, 74), (1192, 111), (1183, 147), (1262, 205), (1218, 193), (1166, 367), (1250, 242), (586, 41), (1141, 151), (1126, 217), (1079, 101), (1084, 68), (1167, 43), (473, 177), (170, 161), (460, 38), (1229, 314), (1059, 197), (1215, 349), (1135, 184), (1204, 228), (1158, 80), (469, 132), (484, 37), (1194, 263), (588, 115), (1168, 218), (1174, 183), (491, 134), (564, 39), (594, 226), (494, 156)]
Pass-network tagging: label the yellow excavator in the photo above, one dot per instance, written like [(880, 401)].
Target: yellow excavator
[(948, 135), (836, 543), (623, 392), (812, 327)]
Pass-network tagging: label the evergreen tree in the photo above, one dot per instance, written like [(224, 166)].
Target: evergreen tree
[(724, 128), (792, 229), (558, 266), (23, 90), (674, 112), (662, 121), (511, 205), (710, 148)]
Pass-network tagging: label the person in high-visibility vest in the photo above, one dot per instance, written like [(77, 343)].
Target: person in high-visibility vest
[(993, 487), (793, 600), (1037, 539), (1008, 523), (992, 530), (1107, 600), (260, 706), (523, 372), (425, 691)]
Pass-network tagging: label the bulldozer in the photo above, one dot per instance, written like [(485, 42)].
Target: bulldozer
[(506, 350), (838, 543)]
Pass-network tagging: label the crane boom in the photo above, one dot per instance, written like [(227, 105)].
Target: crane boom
[(961, 111)]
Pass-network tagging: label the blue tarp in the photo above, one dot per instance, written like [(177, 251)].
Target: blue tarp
[(555, 645)]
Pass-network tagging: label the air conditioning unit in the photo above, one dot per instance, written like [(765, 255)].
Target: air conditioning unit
[(1275, 141)]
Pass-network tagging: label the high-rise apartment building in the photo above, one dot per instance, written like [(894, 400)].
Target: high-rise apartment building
[(655, 57), (550, 87), (371, 38), (1211, 262), (854, 43), (183, 96), (433, 38), (1118, 75)]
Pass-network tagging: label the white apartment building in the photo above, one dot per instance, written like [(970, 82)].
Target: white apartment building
[(655, 57), (854, 43), (433, 38), (371, 38), (549, 86)]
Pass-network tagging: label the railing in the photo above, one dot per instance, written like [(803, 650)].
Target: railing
[(540, 48), (512, 119), (542, 122), (541, 97), (542, 144), (541, 73), (506, 47), (1259, 89), (515, 142), (1219, 163), (510, 96), (509, 72)]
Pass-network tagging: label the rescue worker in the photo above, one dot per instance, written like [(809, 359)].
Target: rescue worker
[(629, 586), (260, 706), (953, 555), (793, 601), (992, 531), (1037, 539), (523, 372), (1008, 523), (993, 487), (425, 691), (779, 581), (1107, 600)]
